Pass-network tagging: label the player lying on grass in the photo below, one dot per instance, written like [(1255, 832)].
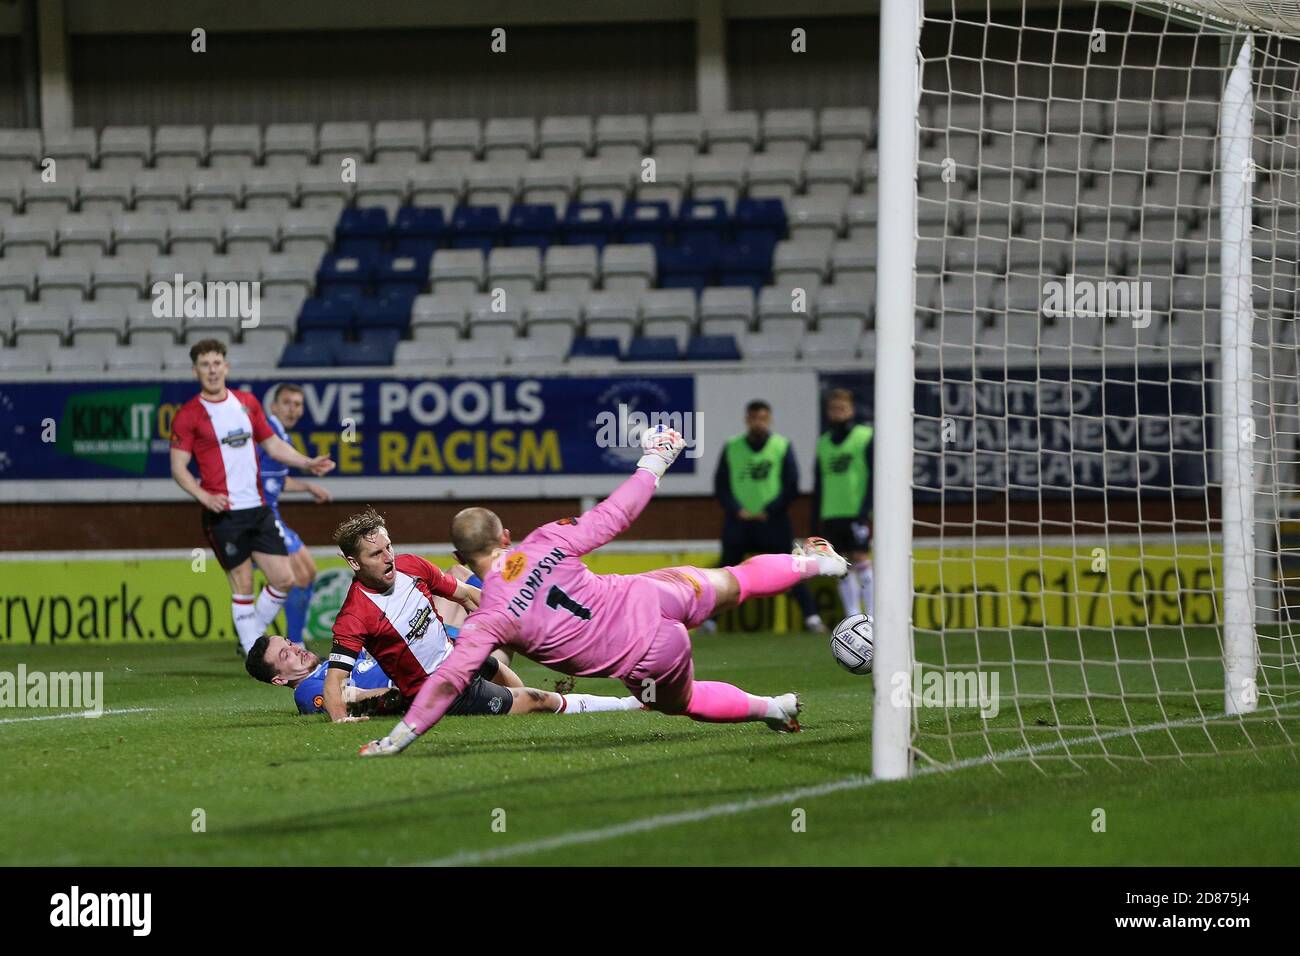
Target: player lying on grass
[(368, 690), (539, 599), (391, 611)]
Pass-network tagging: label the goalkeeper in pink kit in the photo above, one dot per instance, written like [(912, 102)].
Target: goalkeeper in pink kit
[(540, 600)]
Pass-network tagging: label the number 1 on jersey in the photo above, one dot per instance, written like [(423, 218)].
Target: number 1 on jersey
[(555, 598)]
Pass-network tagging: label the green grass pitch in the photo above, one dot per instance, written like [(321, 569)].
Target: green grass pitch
[(278, 789)]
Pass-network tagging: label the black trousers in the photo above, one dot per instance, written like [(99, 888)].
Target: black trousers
[(773, 536)]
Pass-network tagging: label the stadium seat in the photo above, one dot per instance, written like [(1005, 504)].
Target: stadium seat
[(307, 232), (607, 180), (194, 233), (546, 352), (549, 182), (398, 273), (478, 353), (646, 222), (419, 230), (668, 313), (141, 359), (439, 317), (20, 150), (344, 276), (672, 178), (803, 262), (245, 358), (76, 362), (361, 232), (17, 283), (712, 348), (678, 135), (270, 189), (437, 186), (290, 275), (73, 150), (11, 195), (773, 176), (789, 131), (54, 198), (589, 223), (291, 145), (727, 311), (29, 237), (587, 350), (63, 281), (612, 314), (553, 315), (24, 360), (85, 235), (565, 138), (760, 221), (509, 139), (828, 348), (455, 140), (653, 349), (373, 350), (429, 357), (628, 267), (307, 355), (516, 271), (400, 142), (234, 146), (846, 129), (733, 134), (383, 186), (45, 325), (215, 190), (772, 347), (119, 279), (389, 314), (570, 268), (491, 317), (532, 225), (339, 141), (180, 147), (458, 271), (493, 184), (476, 227), (321, 187), (686, 267), (622, 137), (125, 148), (335, 315), (815, 217), (831, 175), (250, 232), (703, 223)]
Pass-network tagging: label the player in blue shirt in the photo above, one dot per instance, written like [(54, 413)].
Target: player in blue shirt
[(284, 412)]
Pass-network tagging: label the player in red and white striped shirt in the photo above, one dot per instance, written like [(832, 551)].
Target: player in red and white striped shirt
[(220, 429)]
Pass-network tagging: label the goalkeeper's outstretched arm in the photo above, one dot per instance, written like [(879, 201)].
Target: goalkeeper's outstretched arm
[(615, 514)]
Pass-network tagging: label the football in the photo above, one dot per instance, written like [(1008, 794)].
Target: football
[(851, 643)]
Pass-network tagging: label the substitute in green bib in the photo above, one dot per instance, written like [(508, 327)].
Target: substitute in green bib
[(756, 480), (842, 497)]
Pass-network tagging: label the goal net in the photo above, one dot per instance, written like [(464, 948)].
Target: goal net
[(1098, 502)]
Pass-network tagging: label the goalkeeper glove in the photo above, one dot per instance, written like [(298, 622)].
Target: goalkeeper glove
[(661, 446)]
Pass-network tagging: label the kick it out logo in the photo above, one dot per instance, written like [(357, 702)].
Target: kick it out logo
[(114, 428), (327, 596)]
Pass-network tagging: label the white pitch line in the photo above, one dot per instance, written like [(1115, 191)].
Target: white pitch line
[(578, 837), (86, 714)]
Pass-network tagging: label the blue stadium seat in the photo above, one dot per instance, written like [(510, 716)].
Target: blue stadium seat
[(744, 264), (419, 230), (646, 222), (401, 273), (686, 267), (584, 347), (712, 348), (344, 276), (371, 350), (703, 223), (475, 227), (362, 232), (386, 337), (652, 349), (307, 355), (392, 312), (760, 221), (532, 226), (335, 339), (336, 314), (589, 224)]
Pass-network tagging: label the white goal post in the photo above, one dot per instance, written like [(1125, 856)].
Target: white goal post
[(1087, 452)]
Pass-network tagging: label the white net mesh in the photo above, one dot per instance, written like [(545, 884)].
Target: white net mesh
[(1068, 565)]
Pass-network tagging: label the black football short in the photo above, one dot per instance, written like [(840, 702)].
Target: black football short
[(235, 535), (839, 532), (482, 698)]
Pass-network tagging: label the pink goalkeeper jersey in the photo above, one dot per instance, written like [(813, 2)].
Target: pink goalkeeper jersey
[(541, 600)]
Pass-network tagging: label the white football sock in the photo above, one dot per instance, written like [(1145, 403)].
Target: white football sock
[(593, 704), (268, 606), (867, 584), (247, 627), (850, 593)]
